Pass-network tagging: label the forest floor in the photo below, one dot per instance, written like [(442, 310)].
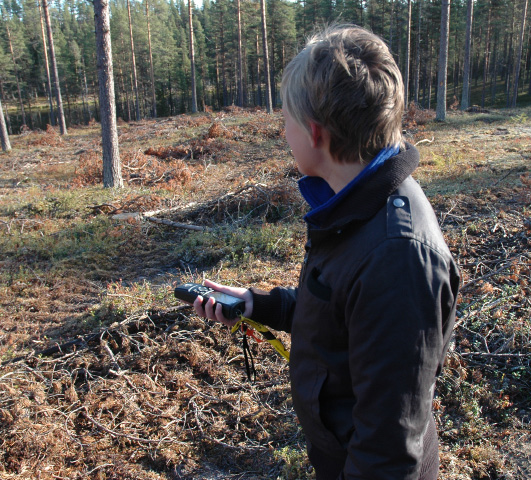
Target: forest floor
[(105, 375)]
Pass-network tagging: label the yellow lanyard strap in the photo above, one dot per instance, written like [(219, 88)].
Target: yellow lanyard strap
[(265, 332)]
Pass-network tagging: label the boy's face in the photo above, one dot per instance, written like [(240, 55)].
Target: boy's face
[(300, 141)]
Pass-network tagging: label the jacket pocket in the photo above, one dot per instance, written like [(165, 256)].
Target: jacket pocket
[(311, 420), (317, 287)]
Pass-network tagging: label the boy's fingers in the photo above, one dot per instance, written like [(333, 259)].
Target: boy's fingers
[(214, 285), (198, 306), (208, 310), (221, 318), (234, 291), (214, 311), (211, 309)]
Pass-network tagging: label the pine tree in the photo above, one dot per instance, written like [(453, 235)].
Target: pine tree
[(133, 62), (408, 55), (465, 99), (55, 71), (4, 137), (46, 67), (443, 62), (16, 69), (518, 61), (192, 56), (417, 52), (112, 169), (486, 57), (267, 72), (282, 34), (151, 70)]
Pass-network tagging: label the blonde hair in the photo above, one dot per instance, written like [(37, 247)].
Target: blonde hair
[(346, 80)]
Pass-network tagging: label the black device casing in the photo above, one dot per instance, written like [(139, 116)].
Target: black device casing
[(231, 307)]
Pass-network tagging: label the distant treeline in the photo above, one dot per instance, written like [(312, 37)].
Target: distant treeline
[(151, 50)]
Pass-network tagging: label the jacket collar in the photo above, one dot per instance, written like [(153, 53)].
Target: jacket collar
[(323, 199), (366, 197)]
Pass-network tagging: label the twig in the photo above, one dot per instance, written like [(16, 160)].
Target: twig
[(84, 340), (99, 207), (150, 216), (196, 390), (8, 226), (151, 213), (425, 140), (55, 349), (239, 447), (503, 178), (123, 435), (487, 354), (113, 359), (170, 223), (99, 467), (135, 168), (123, 295), (488, 275)]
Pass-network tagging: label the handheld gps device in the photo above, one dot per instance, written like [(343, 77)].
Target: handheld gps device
[(231, 307)]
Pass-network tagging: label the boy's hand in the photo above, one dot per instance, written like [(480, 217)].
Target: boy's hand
[(213, 312)]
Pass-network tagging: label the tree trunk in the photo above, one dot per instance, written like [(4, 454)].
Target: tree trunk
[(430, 72), (3, 98), (267, 73), (494, 70), (122, 74), (417, 55), (219, 98), (85, 91), (22, 112), (170, 91), (443, 62), (508, 57), (133, 63), (112, 169), (258, 80), (203, 76), (47, 68), (487, 59), (126, 106), (55, 71), (4, 137), (529, 87), (239, 101), (456, 63), (192, 57), (391, 29), (408, 56), (516, 74), (223, 54), (399, 56), (465, 97), (151, 72), (272, 70)]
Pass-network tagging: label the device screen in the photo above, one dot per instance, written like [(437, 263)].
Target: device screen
[(224, 298)]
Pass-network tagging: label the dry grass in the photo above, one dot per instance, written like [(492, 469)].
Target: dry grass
[(149, 391)]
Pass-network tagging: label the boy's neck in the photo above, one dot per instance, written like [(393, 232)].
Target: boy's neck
[(336, 173), (339, 175)]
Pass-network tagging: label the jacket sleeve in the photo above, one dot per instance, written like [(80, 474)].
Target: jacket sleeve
[(399, 316), (274, 308)]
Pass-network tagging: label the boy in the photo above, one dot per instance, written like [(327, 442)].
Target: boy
[(372, 316)]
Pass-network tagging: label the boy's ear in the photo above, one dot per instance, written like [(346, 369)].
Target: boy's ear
[(320, 137), (317, 134)]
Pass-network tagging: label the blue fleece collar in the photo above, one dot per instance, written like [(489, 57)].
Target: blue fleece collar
[(322, 198)]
